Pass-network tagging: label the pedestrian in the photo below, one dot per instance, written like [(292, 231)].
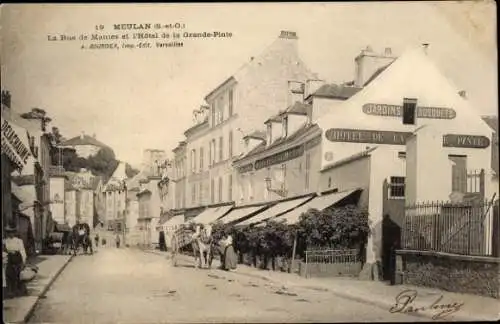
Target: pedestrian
[(103, 242), (96, 239), (229, 259), (117, 241), (16, 261)]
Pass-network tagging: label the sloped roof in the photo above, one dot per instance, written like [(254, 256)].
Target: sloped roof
[(492, 121), (257, 134), (298, 108), (83, 140), (377, 73), (335, 91)]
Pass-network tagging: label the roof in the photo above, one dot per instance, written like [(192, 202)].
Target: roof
[(83, 140), (336, 91), (377, 73), (492, 121), (292, 137), (257, 134), (348, 159), (298, 108), (276, 118)]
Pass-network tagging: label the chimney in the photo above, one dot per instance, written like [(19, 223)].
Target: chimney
[(368, 62), (463, 94), (312, 86), (286, 34), (82, 135), (295, 92), (425, 46)]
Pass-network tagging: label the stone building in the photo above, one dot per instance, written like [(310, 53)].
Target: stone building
[(84, 145), (233, 109)]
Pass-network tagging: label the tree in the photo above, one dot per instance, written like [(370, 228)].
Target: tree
[(343, 227)]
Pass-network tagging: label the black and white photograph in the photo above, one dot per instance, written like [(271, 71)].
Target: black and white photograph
[(279, 162)]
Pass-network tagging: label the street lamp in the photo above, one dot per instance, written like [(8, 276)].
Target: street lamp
[(282, 192)]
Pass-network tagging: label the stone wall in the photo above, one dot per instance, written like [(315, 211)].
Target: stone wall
[(450, 272)]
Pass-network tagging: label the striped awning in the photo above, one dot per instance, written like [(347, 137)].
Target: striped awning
[(210, 215), (239, 213), (319, 203), (276, 210)]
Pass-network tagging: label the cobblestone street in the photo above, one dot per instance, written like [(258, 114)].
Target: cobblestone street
[(130, 286)]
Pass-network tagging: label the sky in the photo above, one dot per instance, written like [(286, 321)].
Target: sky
[(134, 99)]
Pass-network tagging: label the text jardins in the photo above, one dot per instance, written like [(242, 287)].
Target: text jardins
[(405, 304)]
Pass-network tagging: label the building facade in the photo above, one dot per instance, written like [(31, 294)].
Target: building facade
[(84, 145), (234, 108), (57, 189)]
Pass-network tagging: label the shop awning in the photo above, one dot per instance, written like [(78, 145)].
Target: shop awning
[(320, 203), (276, 210), (211, 214), (174, 221), (239, 213), (15, 143)]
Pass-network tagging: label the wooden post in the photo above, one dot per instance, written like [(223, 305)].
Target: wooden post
[(292, 263)]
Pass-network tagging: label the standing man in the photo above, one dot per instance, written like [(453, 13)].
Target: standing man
[(117, 240), (96, 239)]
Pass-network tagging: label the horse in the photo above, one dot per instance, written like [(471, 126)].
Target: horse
[(81, 236), (202, 244)]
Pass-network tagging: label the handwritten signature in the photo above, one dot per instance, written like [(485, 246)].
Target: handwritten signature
[(405, 304)]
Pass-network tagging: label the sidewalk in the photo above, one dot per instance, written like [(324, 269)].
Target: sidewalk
[(18, 310), (382, 295)]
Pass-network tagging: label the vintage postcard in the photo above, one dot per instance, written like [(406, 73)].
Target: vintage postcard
[(250, 162)]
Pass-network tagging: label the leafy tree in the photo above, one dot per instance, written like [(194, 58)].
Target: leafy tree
[(344, 227)]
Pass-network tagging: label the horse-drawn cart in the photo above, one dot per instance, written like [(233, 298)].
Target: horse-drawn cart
[(181, 238)]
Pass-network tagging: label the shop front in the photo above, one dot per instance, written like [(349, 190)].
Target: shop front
[(15, 155), (365, 146)]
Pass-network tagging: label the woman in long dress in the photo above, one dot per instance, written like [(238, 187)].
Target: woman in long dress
[(230, 259)]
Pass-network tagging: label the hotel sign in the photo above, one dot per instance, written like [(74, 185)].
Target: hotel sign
[(397, 111), (466, 141), (13, 145), (399, 138), (366, 136)]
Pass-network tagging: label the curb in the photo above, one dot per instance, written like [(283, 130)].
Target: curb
[(45, 289)]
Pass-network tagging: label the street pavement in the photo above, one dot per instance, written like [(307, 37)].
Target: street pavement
[(130, 286)]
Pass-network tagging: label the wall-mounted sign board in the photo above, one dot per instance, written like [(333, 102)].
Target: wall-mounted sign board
[(397, 111), (366, 136), (399, 138)]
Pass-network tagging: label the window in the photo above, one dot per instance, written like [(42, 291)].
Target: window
[(242, 187), (220, 189), (221, 152), (250, 186), (285, 126), (230, 187), (193, 161), (230, 145), (329, 182), (230, 99), (213, 151), (201, 159), (212, 110), (210, 153), (308, 167), (221, 109), (409, 111), (193, 193), (458, 173), (397, 187), (269, 134), (200, 194), (212, 190)]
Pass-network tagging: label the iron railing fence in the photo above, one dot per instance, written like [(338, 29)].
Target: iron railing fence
[(442, 226)]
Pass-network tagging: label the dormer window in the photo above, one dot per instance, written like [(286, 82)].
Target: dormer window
[(269, 133)]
